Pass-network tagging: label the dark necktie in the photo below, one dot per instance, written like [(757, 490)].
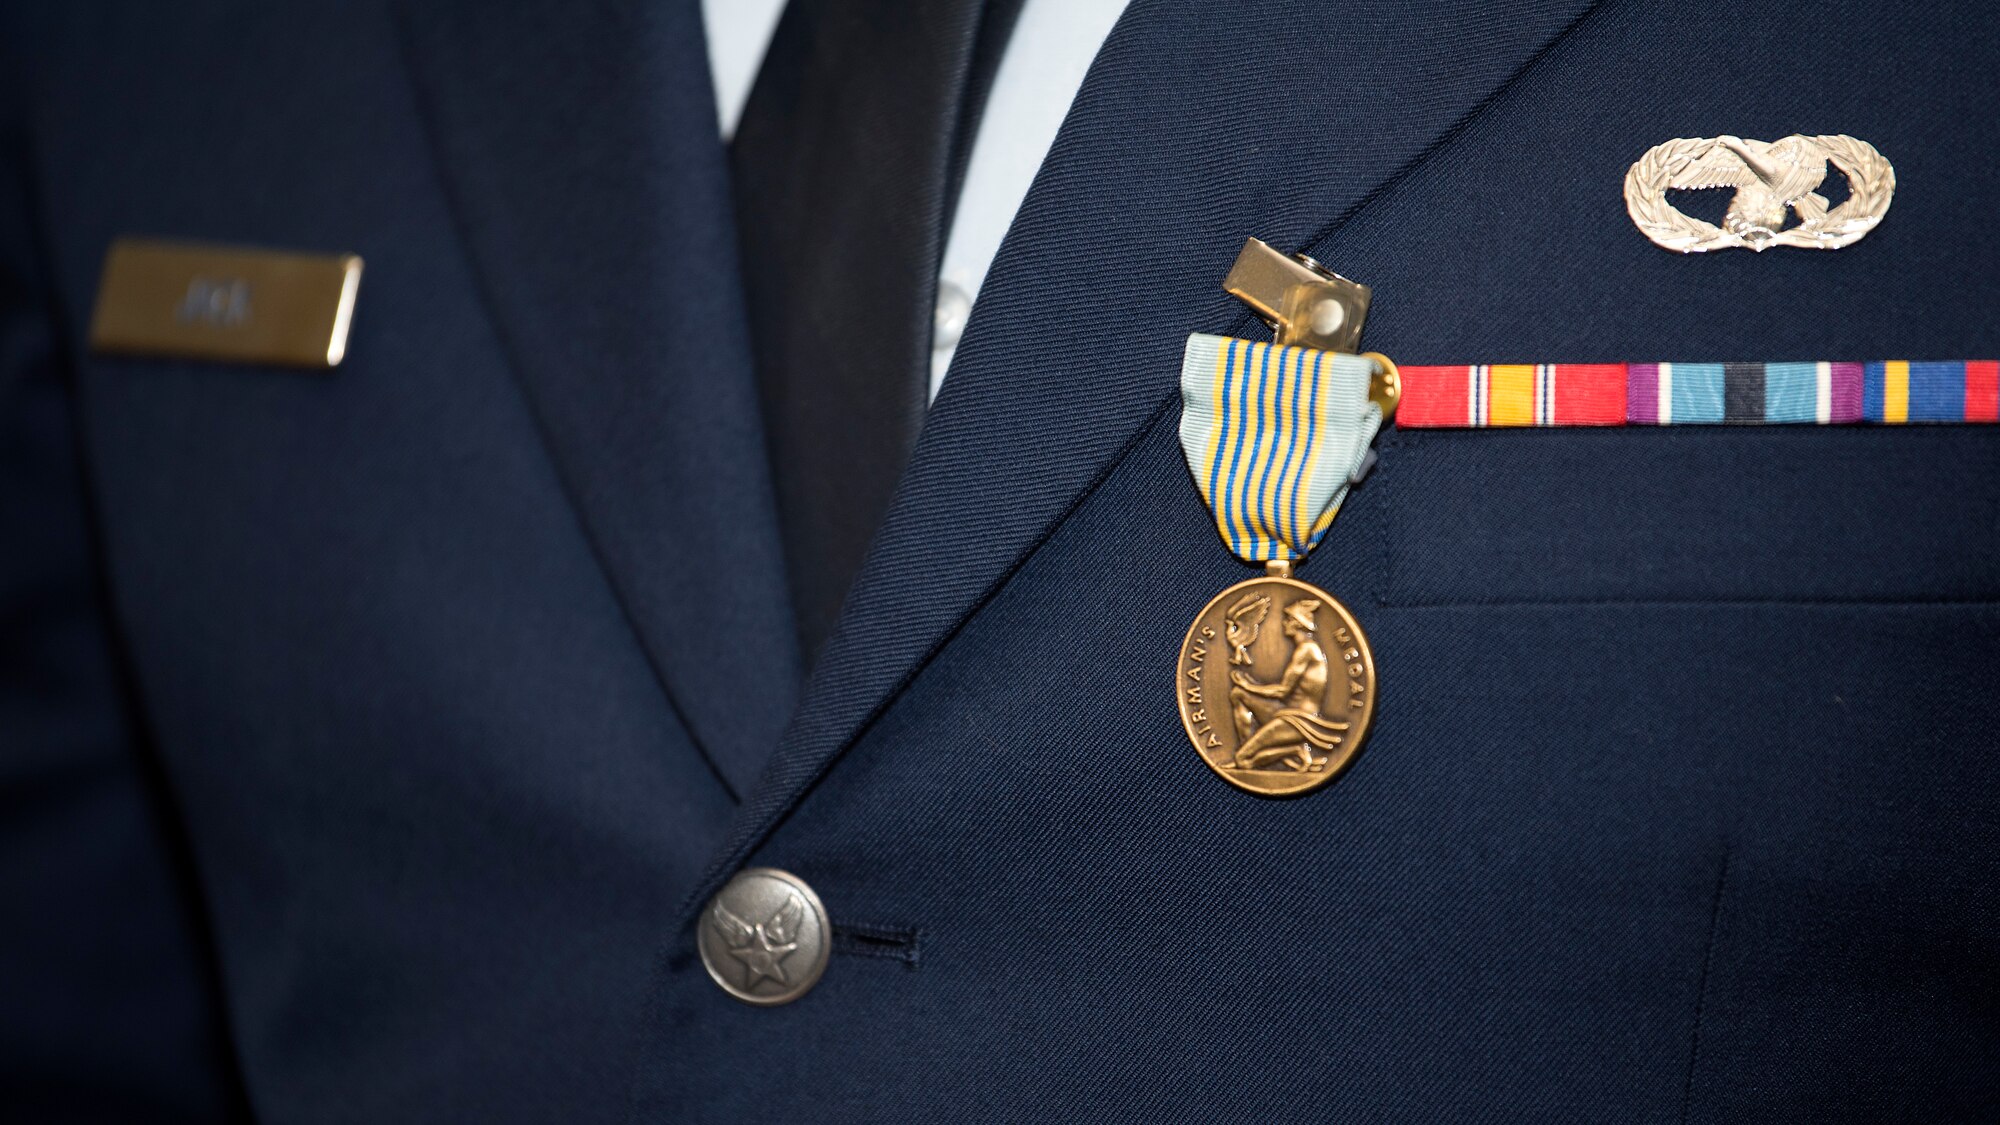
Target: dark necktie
[(846, 165)]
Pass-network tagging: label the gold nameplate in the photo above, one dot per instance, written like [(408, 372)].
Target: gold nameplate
[(224, 303)]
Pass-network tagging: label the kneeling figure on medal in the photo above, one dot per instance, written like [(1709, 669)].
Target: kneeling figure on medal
[(1280, 723)]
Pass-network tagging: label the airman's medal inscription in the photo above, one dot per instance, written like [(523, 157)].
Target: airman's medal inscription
[(1277, 686)]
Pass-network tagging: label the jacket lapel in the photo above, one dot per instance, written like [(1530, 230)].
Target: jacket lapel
[(579, 148), (1192, 131)]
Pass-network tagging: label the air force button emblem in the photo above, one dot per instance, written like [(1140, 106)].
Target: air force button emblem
[(1773, 180)]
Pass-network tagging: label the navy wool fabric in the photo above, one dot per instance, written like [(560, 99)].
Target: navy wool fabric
[(450, 662), (101, 954), (1680, 803), (395, 723)]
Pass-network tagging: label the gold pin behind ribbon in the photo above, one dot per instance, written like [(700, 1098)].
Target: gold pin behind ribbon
[(1307, 305)]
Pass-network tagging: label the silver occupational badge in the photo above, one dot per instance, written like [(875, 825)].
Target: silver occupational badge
[(1772, 179)]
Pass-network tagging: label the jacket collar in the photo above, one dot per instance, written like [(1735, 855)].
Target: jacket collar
[(1190, 133), (579, 149)]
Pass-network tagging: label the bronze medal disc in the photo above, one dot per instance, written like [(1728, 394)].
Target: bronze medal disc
[(1276, 686)]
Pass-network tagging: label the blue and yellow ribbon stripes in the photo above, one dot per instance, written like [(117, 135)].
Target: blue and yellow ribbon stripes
[(1273, 436), (1911, 391)]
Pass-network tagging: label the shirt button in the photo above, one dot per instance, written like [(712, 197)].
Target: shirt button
[(764, 937), (954, 307)]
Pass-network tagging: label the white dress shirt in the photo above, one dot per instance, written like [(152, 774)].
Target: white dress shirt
[(1040, 72)]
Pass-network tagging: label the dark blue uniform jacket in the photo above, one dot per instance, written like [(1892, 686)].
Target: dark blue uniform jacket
[(369, 740)]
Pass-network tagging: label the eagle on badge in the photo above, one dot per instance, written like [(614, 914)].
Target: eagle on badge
[(1772, 179), (762, 947), (1769, 179)]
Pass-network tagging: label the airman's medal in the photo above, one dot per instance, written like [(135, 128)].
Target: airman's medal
[(1276, 684)]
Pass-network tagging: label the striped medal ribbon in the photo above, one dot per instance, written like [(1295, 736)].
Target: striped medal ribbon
[(1649, 394), (1276, 684), (1273, 437)]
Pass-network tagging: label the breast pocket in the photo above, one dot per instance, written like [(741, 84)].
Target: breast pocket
[(1691, 513)]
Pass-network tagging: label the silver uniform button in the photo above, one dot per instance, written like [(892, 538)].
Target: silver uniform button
[(954, 308), (764, 937)]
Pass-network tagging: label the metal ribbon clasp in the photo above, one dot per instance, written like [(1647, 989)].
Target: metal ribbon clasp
[(1310, 306)]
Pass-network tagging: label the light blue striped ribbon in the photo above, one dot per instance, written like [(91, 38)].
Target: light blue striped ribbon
[(1273, 437)]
